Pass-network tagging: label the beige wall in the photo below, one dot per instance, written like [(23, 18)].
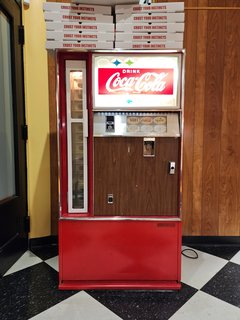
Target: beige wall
[(37, 112)]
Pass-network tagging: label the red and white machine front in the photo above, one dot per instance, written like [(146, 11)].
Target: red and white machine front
[(120, 144)]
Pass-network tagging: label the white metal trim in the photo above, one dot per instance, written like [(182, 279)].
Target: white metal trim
[(78, 65)]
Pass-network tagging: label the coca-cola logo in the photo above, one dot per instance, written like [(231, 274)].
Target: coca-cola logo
[(135, 81)]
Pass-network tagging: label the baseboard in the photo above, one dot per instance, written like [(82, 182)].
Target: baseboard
[(186, 240), (11, 252), (211, 240), (43, 241)]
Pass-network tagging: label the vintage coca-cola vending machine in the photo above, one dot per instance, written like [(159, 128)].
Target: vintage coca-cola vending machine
[(120, 147)]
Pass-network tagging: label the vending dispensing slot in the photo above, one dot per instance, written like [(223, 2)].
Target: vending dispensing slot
[(149, 147)]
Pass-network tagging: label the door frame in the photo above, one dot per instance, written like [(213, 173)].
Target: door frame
[(17, 243)]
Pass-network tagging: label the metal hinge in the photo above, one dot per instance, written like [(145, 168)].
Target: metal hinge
[(27, 224), (21, 39), (24, 132)]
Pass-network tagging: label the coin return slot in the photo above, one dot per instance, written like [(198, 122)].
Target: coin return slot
[(110, 124)]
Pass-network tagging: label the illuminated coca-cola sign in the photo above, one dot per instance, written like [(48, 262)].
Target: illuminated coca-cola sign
[(135, 81)]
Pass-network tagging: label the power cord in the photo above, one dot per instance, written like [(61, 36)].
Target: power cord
[(195, 256)]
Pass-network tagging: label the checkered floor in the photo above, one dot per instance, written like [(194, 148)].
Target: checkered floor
[(210, 290)]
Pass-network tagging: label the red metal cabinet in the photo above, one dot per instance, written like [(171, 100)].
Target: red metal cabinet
[(120, 254), (132, 241)]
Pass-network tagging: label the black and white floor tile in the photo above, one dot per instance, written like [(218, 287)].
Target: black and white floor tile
[(210, 291)]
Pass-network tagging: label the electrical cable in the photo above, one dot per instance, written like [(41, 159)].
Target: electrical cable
[(190, 257)]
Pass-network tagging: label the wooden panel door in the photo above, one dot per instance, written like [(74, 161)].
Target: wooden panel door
[(140, 185), (109, 174)]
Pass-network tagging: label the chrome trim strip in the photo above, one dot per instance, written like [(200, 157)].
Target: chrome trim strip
[(58, 131), (182, 90), (118, 219), (116, 50)]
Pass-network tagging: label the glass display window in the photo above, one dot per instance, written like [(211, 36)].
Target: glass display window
[(77, 136)]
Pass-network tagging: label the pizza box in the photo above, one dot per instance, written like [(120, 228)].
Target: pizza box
[(149, 27), (60, 16), (74, 35), (77, 8), (154, 7), (153, 17), (149, 45), (86, 45), (149, 36), (82, 27)]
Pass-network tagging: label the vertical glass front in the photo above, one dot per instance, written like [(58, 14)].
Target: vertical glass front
[(77, 166), (7, 162), (77, 136), (76, 87)]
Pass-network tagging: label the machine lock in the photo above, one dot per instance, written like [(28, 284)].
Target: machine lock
[(110, 198), (172, 167)]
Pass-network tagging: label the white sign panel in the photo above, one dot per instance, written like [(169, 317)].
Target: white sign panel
[(137, 81)]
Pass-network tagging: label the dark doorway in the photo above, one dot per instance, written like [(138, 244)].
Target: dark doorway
[(13, 185)]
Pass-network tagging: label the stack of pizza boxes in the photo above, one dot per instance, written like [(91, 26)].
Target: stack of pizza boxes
[(153, 26), (78, 26)]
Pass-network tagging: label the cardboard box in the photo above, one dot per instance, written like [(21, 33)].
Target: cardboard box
[(83, 27), (60, 16), (148, 36), (146, 18), (149, 27), (87, 36), (154, 7), (84, 45), (149, 45), (76, 8)]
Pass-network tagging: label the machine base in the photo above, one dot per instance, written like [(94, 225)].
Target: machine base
[(120, 285), (120, 254)]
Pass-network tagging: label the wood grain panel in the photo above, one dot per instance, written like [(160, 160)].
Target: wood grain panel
[(229, 203), (190, 37), (140, 185), (212, 119), (199, 118), (109, 172), (151, 190), (53, 141)]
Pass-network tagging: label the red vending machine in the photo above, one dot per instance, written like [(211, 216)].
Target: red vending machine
[(120, 147)]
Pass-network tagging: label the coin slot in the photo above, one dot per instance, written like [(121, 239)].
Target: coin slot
[(110, 124)]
